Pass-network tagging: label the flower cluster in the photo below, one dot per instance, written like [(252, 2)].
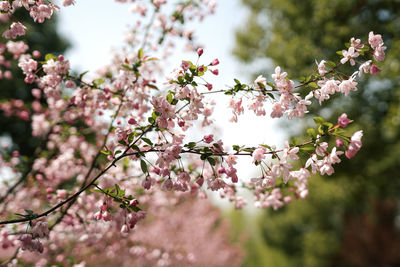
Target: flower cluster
[(118, 148)]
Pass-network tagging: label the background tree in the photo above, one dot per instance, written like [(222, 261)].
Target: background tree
[(42, 37), (350, 218)]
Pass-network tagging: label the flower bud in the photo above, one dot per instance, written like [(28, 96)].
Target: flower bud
[(215, 62)]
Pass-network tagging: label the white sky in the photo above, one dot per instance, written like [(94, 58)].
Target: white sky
[(95, 26)]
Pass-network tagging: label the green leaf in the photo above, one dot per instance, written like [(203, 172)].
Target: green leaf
[(319, 120), (140, 53), (29, 212), (330, 64), (147, 140), (99, 81), (106, 152), (312, 133), (169, 98), (190, 145), (307, 148), (126, 67), (122, 142), (211, 161), (83, 74), (117, 189), (236, 148), (143, 165), (49, 56)]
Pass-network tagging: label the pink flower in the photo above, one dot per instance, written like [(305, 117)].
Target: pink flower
[(349, 55), (61, 193), (321, 67), (68, 2), (41, 229), (348, 85), (364, 68), (209, 86), (375, 40), (355, 144), (379, 53), (343, 121), (185, 65), (260, 79), (231, 159), (258, 154), (277, 110), (4, 6), (16, 29)]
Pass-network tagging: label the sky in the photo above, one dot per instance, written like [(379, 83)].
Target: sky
[(95, 26)]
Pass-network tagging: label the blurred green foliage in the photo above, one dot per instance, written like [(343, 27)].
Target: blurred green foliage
[(44, 38), (351, 218)]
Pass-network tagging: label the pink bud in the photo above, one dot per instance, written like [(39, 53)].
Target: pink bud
[(215, 62), (156, 170), (36, 93), (221, 170), (132, 121), (374, 69), (167, 185), (200, 181), (215, 72), (181, 123), (339, 142), (343, 121), (209, 86), (103, 207), (235, 179), (8, 75), (133, 203), (146, 184), (208, 138), (60, 58), (200, 51), (124, 229), (36, 54)]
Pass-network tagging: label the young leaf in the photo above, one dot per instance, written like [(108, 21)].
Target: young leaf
[(143, 165)]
